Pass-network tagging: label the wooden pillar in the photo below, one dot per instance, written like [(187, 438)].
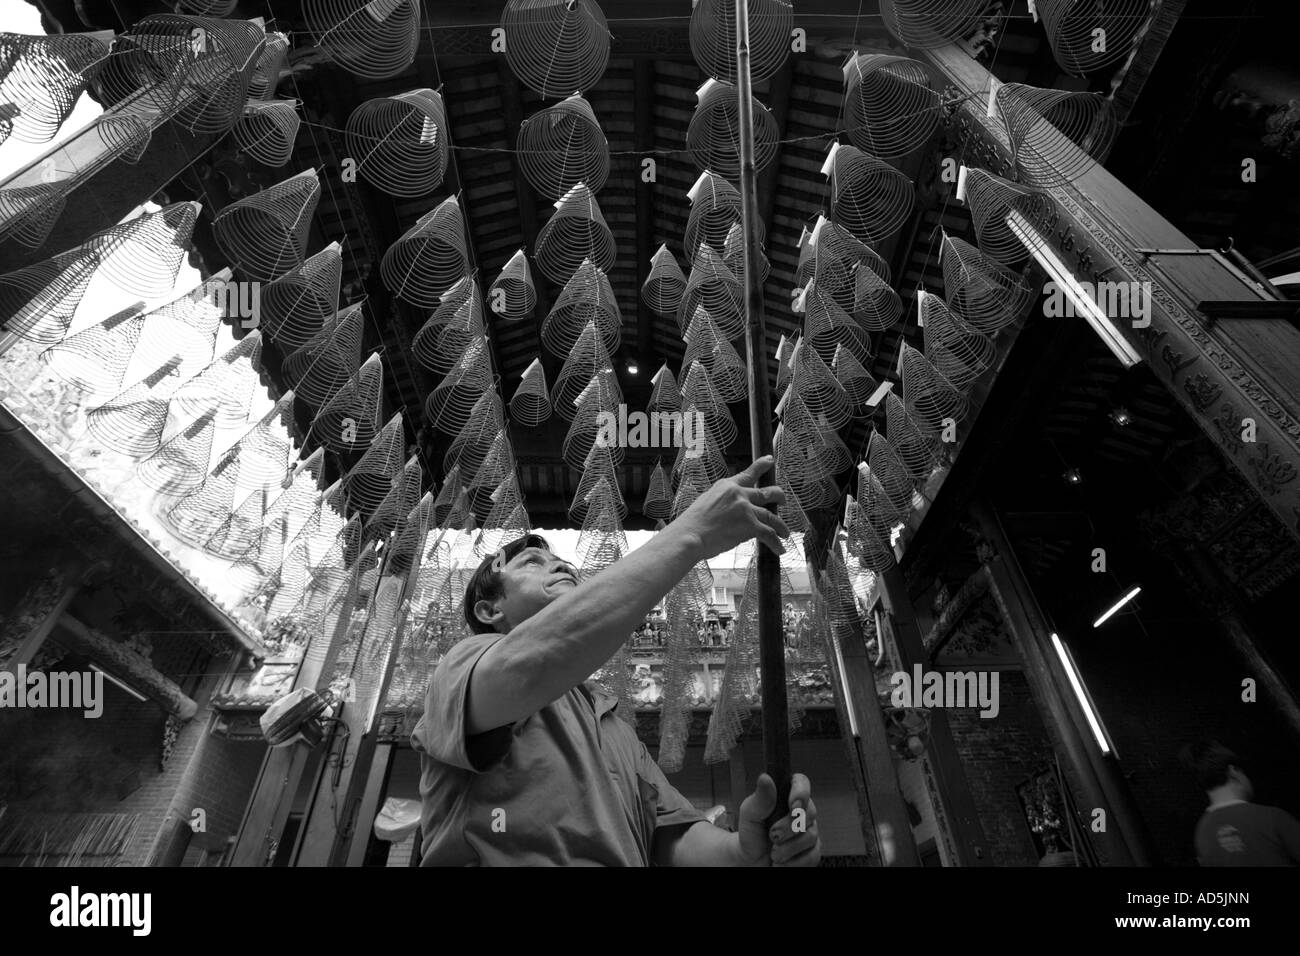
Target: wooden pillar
[(739, 781), (126, 664), (372, 796), (26, 627)]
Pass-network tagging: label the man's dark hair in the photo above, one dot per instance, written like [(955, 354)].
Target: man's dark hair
[(1209, 760), (487, 584)]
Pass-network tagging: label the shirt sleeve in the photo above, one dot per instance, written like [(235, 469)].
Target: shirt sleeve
[(673, 809), (442, 732)]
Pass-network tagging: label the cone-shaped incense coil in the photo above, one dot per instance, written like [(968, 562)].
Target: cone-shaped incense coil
[(883, 508), (37, 303), (448, 406), (400, 142), (869, 198), (265, 450), (270, 63), (1072, 28), (682, 605), (350, 420), (267, 131), (588, 357), (711, 137), (699, 455), (984, 293), (328, 359), (930, 399), (455, 323), (793, 511), (397, 504), (712, 34), (472, 444), (132, 421), (453, 488), (556, 47), (561, 146), (194, 518), (498, 465), (739, 688), (372, 39), (725, 368), (784, 352), (832, 256), (126, 134), (713, 286), (368, 481), (574, 233), (587, 297), (298, 304), (1056, 135), (28, 213), (817, 388), (601, 527), (180, 464), (801, 460), (265, 235), (925, 24), (890, 107), (664, 284), (958, 353), (43, 76), (664, 394), (507, 519), (513, 296), (262, 560), (143, 256), (715, 211), (187, 326), (429, 258), (817, 439), (699, 393), (990, 199), (225, 386), (863, 542), (827, 327), (598, 466), (917, 452), (857, 382), (531, 403), (95, 359), (658, 497), (595, 422)]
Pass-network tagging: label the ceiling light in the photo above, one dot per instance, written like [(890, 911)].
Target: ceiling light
[(632, 368), (1121, 417), (1118, 604), (1073, 476)]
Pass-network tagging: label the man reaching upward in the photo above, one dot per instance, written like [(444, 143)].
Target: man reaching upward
[(524, 764)]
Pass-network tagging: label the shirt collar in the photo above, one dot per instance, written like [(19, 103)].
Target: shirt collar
[(602, 700), (1222, 803)]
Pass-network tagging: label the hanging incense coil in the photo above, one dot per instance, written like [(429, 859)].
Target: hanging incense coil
[(890, 106), (225, 386), (699, 456), (817, 388), (265, 235), (402, 497), (857, 382), (180, 464), (400, 143), (143, 256), (42, 77), (28, 213), (239, 529), (429, 258), (449, 405), (132, 421), (562, 146), (784, 351), (958, 353), (271, 64), (715, 212), (803, 459), (664, 394), (990, 198), (37, 303), (930, 399), (733, 254), (726, 369), (863, 542), (531, 403), (597, 404), (266, 449), (297, 305), (602, 528), (984, 293), (267, 131), (827, 327), (187, 325), (195, 517), (740, 683), (818, 439), (658, 497), (575, 233), (372, 39), (455, 323), (893, 476), (512, 296), (587, 298), (498, 464), (1072, 30), (833, 257), (556, 47), (700, 395), (367, 482), (95, 359), (588, 357), (350, 419), (916, 450), (328, 359), (869, 198), (925, 24), (125, 134), (712, 286), (598, 467), (260, 561), (712, 34), (452, 490), (470, 447), (664, 284), (712, 139), (1056, 135), (507, 519)]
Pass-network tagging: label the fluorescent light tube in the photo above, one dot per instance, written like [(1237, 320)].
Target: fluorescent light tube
[(113, 680), (844, 687), (1081, 694), (1118, 604)]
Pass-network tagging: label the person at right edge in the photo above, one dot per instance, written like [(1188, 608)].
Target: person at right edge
[(1233, 831)]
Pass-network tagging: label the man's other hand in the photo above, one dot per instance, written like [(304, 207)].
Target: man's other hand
[(734, 509), (791, 841)]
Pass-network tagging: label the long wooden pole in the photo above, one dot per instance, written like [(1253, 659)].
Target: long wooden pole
[(776, 740)]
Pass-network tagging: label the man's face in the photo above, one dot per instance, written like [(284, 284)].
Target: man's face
[(532, 579)]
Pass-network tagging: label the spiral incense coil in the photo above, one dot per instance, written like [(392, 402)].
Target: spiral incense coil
[(470, 446), (812, 430), (297, 305), (817, 388), (267, 131), (350, 419), (429, 258), (28, 213), (366, 482), (733, 254), (715, 211), (449, 405), (402, 497), (879, 508), (827, 327), (575, 233), (95, 359), (187, 325), (588, 357), (195, 517), (916, 450), (857, 382), (704, 463), (699, 394), (833, 257), (893, 476), (712, 34), (372, 39), (712, 286), (42, 77), (180, 464), (664, 393), (445, 501), (262, 560), (958, 353), (132, 421), (1072, 30), (802, 459), (265, 235), (712, 138), (556, 47), (658, 497), (598, 466), (586, 298), (37, 303), (400, 142), (225, 386), (143, 256), (926, 24), (981, 291), (792, 512), (930, 399), (664, 284), (498, 464), (265, 449), (455, 323), (271, 63), (240, 529), (739, 685), (869, 198), (597, 400), (507, 519), (531, 403), (726, 369), (513, 296), (784, 350), (562, 146), (890, 107), (990, 198), (328, 359), (1056, 135), (126, 134), (602, 532), (863, 542)]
